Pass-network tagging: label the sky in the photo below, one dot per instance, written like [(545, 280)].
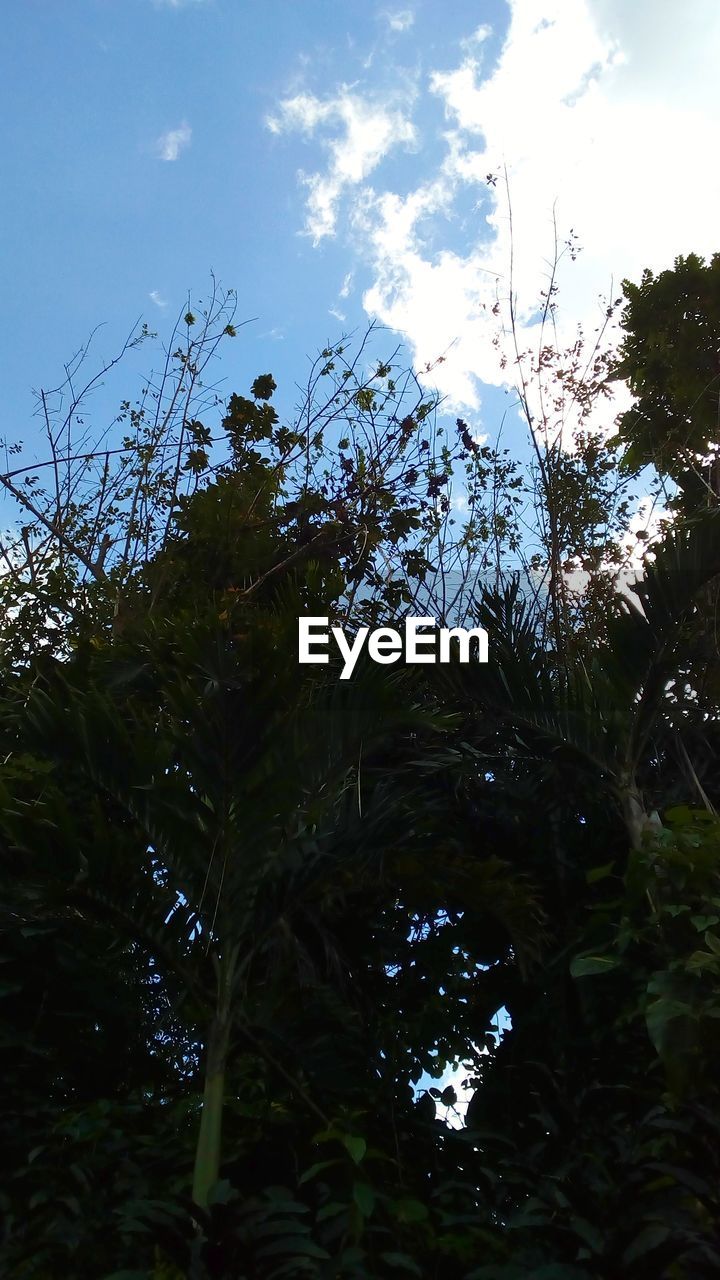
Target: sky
[(330, 162)]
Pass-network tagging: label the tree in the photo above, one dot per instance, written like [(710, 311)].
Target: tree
[(253, 829), (302, 894), (670, 359), (359, 472)]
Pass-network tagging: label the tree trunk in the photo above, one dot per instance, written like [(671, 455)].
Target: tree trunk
[(208, 1152)]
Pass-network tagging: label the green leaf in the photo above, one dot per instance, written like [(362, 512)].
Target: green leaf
[(315, 1169), (702, 923), (600, 873), (659, 1016), (297, 1245), (127, 1275), (222, 1193), (685, 1177), (72, 1203), (294, 1268), (703, 961), (331, 1210), (588, 1232), (649, 1238), (410, 1211), (402, 1261), (364, 1198), (275, 1227), (558, 1271), (585, 966), (353, 1256), (356, 1147), (283, 1202), (679, 816)]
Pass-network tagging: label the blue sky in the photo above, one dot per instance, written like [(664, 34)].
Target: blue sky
[(137, 156), (328, 161)]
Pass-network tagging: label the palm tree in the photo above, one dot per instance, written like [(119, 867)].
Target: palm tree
[(241, 814), (609, 1061), (595, 715)]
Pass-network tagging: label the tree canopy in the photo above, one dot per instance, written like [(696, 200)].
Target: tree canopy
[(249, 910)]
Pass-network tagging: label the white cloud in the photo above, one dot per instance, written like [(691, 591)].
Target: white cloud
[(579, 110), (347, 284), (366, 133), (159, 301), (478, 37), (176, 4), (440, 301), (399, 19), (170, 144), (605, 112)]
